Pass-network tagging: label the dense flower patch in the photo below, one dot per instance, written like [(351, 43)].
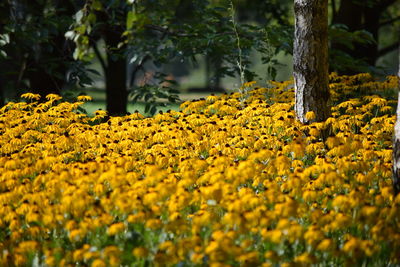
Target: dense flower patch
[(229, 180)]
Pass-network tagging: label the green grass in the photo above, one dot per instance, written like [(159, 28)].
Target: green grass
[(91, 107)]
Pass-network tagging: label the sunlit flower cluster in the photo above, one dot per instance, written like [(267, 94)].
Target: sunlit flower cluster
[(231, 180)]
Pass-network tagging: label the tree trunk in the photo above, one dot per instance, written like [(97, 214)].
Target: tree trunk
[(115, 73), (2, 98), (310, 59), (396, 143), (369, 52), (116, 91)]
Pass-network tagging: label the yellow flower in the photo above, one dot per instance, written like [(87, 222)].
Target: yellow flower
[(153, 224), (207, 178), (53, 97), (116, 228), (19, 260), (98, 263), (310, 115), (77, 255), (352, 247), (212, 98), (305, 258), (313, 235), (275, 236), (325, 245), (272, 256), (197, 258), (140, 252), (110, 251), (28, 246), (249, 84), (31, 96), (100, 113), (369, 248), (76, 235), (50, 261), (84, 98)]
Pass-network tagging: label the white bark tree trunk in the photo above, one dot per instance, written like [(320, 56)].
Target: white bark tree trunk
[(396, 143), (310, 59)]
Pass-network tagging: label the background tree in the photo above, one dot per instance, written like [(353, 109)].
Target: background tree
[(110, 26), (157, 33), (35, 54), (152, 34), (310, 60), (355, 35)]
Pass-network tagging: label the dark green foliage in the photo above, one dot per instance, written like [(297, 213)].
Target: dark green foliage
[(34, 54), (154, 96), (340, 59)]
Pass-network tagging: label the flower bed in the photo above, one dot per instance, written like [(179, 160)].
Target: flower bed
[(232, 180)]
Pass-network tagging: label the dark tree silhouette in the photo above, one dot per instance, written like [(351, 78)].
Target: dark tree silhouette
[(362, 15)]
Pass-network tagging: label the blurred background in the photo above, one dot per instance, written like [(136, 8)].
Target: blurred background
[(151, 55)]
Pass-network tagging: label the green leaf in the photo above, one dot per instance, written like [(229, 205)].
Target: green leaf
[(3, 54), (136, 98), (161, 94), (91, 18), (81, 29), (76, 53), (4, 39), (70, 35), (153, 110), (148, 96), (79, 16), (96, 5), (173, 98), (130, 19), (147, 107)]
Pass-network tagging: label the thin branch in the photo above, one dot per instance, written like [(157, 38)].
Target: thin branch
[(389, 21), (385, 3), (21, 71), (334, 12), (388, 49), (167, 31), (179, 34), (138, 67), (98, 55)]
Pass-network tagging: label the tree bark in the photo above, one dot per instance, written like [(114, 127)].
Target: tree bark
[(115, 73), (396, 143), (2, 98), (310, 59), (116, 91)]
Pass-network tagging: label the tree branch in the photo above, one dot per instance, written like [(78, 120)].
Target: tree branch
[(179, 34), (138, 67), (385, 3), (334, 11), (389, 21), (98, 55), (167, 31), (388, 49)]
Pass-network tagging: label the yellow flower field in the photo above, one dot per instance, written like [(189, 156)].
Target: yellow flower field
[(231, 180)]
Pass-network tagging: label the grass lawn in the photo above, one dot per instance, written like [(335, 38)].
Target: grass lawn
[(91, 107)]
